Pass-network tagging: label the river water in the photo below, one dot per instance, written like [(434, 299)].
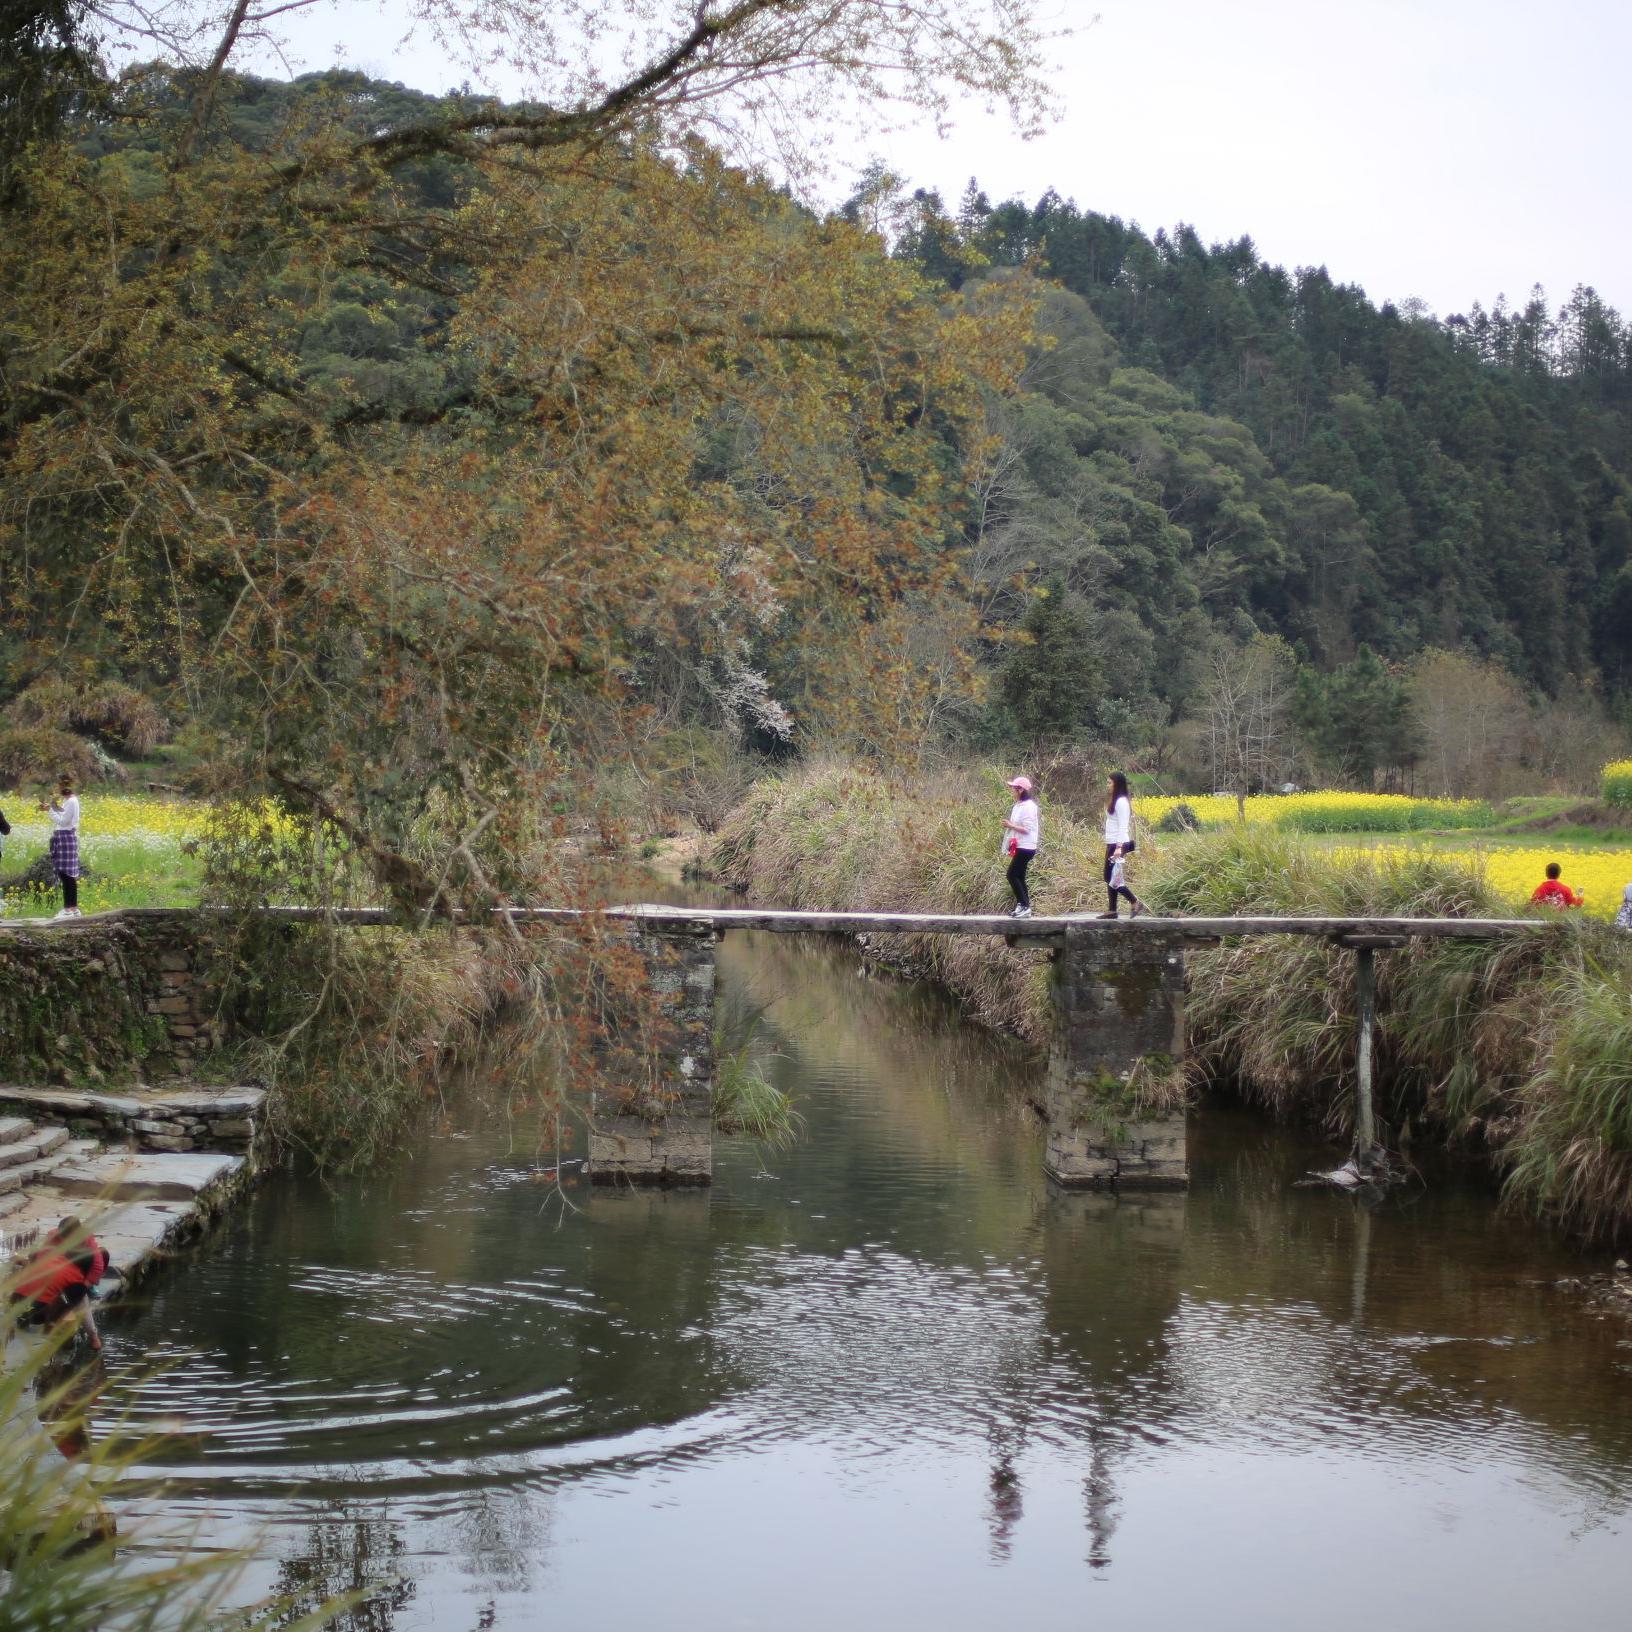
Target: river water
[(888, 1378)]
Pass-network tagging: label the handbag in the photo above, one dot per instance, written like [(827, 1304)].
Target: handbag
[(1119, 874)]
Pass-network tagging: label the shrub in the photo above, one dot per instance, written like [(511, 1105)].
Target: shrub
[(1616, 783), (39, 755), (118, 716), (1180, 819)]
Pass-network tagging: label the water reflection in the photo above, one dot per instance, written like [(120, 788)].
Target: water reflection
[(890, 1375)]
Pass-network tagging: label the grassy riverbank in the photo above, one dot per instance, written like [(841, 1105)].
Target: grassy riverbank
[(1521, 1048)]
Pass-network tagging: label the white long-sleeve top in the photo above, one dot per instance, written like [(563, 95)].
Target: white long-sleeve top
[(1029, 819), (1119, 822), (64, 816)]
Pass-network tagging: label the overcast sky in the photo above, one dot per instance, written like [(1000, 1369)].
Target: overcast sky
[(1448, 149)]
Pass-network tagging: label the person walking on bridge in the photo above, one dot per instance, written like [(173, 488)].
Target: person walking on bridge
[(1119, 845), (1022, 834)]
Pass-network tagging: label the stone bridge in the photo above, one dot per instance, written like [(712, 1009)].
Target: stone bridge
[(1117, 992), (1117, 998)]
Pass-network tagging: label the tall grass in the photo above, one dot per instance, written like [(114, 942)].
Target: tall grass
[(1521, 1047), (1276, 1016), (746, 1101), (1571, 1148)]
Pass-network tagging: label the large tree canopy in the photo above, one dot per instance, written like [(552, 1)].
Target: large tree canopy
[(425, 478)]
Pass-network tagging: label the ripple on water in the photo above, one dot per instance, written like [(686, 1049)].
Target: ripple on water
[(395, 1378)]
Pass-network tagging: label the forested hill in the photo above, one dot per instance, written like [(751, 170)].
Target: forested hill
[(356, 426), (1345, 473)]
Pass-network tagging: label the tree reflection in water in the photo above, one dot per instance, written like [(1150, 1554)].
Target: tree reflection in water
[(355, 1547)]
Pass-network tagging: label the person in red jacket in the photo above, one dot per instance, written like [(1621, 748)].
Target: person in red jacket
[(1554, 892), (55, 1284)]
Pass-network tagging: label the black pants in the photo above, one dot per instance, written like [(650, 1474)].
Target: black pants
[(1121, 889), (1018, 863), (70, 890)]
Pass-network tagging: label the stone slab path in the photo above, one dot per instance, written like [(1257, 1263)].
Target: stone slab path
[(140, 1204)]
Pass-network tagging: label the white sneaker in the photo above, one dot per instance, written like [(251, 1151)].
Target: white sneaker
[(1021, 912), (61, 913)]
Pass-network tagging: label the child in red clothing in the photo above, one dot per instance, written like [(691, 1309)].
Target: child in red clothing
[(1554, 892), (55, 1283)]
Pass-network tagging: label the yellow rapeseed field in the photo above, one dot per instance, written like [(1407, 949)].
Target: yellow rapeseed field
[(1515, 870), (136, 850), (116, 816), (1601, 875), (1330, 812)]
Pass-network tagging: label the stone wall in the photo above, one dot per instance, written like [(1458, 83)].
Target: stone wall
[(652, 1113), (119, 997), (1118, 1011), (157, 1120)]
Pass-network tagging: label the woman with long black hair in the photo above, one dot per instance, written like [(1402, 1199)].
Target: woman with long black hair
[(1119, 845)]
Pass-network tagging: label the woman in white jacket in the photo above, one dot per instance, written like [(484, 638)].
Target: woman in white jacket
[(1118, 844), (1022, 833), (64, 813)]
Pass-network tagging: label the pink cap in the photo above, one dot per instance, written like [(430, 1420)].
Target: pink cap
[(1021, 784)]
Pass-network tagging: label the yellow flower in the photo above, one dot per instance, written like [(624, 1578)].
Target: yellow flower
[(1331, 812)]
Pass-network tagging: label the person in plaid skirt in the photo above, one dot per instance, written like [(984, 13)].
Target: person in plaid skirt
[(64, 814)]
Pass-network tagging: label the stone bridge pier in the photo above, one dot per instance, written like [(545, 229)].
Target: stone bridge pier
[(1118, 1020), (1118, 1012), (652, 1104)]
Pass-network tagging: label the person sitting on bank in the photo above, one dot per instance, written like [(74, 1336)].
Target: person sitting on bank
[(1552, 891)]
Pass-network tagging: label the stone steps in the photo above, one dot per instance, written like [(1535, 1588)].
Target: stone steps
[(32, 1147), (29, 1174), (140, 1204), (181, 1116)]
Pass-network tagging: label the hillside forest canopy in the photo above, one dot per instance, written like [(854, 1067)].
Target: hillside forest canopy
[(439, 468)]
